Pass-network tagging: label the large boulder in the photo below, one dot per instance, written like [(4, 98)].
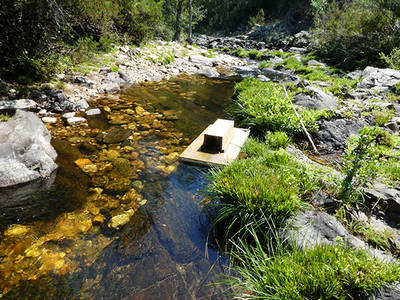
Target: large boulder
[(319, 99), (332, 135), (381, 79), (311, 228), (12, 105), (25, 150), (386, 292)]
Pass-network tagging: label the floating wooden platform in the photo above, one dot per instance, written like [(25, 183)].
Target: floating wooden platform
[(219, 144)]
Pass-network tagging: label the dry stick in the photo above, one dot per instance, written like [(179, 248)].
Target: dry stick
[(301, 122)]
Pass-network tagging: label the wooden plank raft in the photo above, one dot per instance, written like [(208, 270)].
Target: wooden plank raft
[(218, 144)]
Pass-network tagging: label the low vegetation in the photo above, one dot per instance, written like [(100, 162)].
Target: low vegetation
[(269, 182), (263, 106), (362, 159), (322, 272)]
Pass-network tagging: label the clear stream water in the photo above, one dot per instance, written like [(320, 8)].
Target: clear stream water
[(162, 252)]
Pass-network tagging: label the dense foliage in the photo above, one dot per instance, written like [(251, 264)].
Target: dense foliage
[(35, 34), (355, 32)]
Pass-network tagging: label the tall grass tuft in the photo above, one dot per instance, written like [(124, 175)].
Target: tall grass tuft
[(323, 272), (267, 183)]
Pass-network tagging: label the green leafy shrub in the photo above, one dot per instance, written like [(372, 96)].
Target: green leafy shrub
[(392, 60), (322, 272), (263, 106), (362, 159)]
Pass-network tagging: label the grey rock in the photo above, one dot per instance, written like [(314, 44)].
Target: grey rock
[(381, 79), (319, 100), (386, 292), (76, 120), (82, 105), (389, 197), (201, 60), (325, 200), (26, 104), (392, 126), (93, 112), (208, 72), (50, 120), (247, 71), (332, 135), (276, 75), (111, 87), (125, 78), (25, 150), (263, 78), (56, 101), (313, 62), (357, 74), (276, 60), (84, 81), (311, 228)]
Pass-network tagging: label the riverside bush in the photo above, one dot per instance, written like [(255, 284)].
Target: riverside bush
[(363, 157), (355, 32), (322, 272), (263, 106)]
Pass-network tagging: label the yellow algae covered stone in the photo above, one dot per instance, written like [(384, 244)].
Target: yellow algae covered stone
[(17, 230), (118, 221), (83, 162)]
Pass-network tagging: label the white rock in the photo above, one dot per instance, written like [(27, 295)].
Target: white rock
[(42, 112), (25, 104), (68, 115), (50, 120), (75, 120), (93, 112)]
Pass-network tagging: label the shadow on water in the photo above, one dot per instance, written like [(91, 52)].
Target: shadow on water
[(162, 252)]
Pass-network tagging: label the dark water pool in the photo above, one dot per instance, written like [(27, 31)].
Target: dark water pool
[(162, 252)]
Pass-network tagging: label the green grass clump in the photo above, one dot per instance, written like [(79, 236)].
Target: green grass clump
[(268, 183), (323, 272), (240, 52), (5, 117), (382, 116), (277, 140), (390, 171), (339, 84), (265, 64), (263, 106), (281, 54), (379, 239)]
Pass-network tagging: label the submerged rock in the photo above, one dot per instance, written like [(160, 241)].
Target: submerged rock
[(25, 150), (118, 221)]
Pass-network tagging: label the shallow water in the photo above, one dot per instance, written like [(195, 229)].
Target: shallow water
[(68, 249)]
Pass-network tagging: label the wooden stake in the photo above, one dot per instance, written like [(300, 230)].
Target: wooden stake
[(301, 122)]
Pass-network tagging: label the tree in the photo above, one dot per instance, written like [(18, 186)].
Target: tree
[(178, 24)]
